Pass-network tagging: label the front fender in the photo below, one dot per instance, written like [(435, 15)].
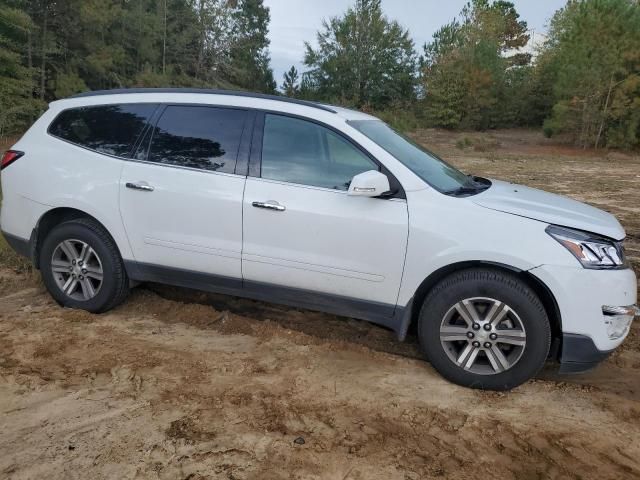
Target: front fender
[(444, 231)]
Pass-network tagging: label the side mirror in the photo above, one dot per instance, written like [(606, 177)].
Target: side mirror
[(369, 184)]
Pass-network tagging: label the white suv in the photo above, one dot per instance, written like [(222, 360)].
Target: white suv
[(319, 207)]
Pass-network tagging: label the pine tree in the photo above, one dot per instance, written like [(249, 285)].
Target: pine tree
[(469, 72), (290, 86), (17, 104), (592, 55), (250, 58), (363, 58)]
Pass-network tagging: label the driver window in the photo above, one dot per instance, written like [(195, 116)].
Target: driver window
[(303, 152)]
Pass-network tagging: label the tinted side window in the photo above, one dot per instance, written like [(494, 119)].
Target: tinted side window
[(111, 129), (198, 137), (299, 151)]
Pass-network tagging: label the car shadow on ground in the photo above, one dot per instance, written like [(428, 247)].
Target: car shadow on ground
[(320, 325)]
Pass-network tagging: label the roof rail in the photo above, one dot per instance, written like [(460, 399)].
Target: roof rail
[(119, 91)]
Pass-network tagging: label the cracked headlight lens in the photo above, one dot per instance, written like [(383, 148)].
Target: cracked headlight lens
[(591, 250)]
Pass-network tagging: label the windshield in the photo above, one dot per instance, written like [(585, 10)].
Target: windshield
[(433, 170)]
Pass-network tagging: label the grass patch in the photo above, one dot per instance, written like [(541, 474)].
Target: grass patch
[(463, 143), (10, 259)]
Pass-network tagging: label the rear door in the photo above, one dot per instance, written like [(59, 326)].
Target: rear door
[(313, 236), (181, 198)]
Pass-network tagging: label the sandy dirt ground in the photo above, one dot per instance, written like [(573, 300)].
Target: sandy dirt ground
[(177, 384)]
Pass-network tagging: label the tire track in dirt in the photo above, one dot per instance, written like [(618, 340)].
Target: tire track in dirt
[(162, 389)]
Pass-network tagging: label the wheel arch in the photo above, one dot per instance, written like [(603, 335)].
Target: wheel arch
[(54, 217), (542, 290)]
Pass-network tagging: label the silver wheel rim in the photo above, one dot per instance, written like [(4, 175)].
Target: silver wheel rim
[(483, 336), (77, 269)]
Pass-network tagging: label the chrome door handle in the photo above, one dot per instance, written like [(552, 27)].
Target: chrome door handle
[(139, 186), (270, 205)]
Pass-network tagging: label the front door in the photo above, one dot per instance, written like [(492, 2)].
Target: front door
[(302, 230)]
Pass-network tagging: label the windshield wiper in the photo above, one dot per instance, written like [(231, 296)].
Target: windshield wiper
[(463, 191), (472, 187)]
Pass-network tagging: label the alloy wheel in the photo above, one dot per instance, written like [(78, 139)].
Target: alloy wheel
[(77, 269), (483, 335)]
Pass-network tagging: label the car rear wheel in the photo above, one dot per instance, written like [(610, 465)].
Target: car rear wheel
[(82, 268), (484, 328)]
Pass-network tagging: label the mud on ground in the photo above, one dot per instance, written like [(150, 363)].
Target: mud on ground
[(183, 385)]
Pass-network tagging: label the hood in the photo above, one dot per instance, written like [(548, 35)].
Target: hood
[(548, 207)]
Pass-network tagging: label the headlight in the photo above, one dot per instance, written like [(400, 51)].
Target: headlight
[(592, 251)]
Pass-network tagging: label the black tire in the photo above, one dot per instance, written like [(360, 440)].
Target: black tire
[(115, 284), (495, 284)]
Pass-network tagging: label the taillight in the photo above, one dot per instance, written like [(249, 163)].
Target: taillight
[(9, 157)]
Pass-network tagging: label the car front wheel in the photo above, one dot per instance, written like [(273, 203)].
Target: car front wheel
[(484, 328)]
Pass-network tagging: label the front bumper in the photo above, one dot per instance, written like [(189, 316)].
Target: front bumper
[(586, 300), (580, 354)]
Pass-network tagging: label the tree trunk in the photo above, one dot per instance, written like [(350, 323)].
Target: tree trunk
[(139, 38), (29, 57), (604, 112), (30, 63), (164, 40), (202, 39), (585, 123), (43, 67)]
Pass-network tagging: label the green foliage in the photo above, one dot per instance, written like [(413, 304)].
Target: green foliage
[(623, 119), (362, 59), (17, 105), (402, 118), (468, 78), (583, 84), (593, 58), (68, 84), (249, 54), (50, 50)]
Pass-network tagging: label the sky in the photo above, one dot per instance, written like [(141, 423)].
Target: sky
[(295, 21)]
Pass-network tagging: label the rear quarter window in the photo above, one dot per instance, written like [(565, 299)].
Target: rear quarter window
[(109, 129)]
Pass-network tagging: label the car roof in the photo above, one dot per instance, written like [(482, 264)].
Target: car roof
[(171, 92)]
